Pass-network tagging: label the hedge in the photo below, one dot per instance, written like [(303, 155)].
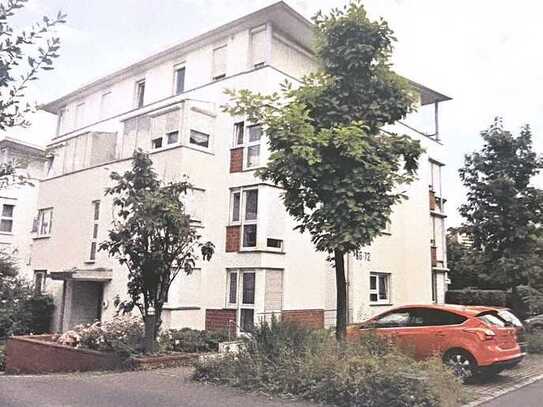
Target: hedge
[(495, 298)]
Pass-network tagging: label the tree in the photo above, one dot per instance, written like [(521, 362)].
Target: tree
[(462, 261), (340, 173), (503, 212), (23, 55), (153, 237)]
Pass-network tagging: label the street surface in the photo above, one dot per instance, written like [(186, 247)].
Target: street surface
[(152, 388), (529, 396)]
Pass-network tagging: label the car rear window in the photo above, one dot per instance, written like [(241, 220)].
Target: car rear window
[(510, 317), (492, 318)]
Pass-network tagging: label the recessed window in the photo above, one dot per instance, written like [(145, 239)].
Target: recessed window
[(258, 46), (253, 156), (62, 114), (40, 277), (140, 93), (219, 62), (105, 104), (379, 288), (244, 212), (255, 133), (241, 295), (239, 133), (6, 221), (233, 289), (249, 236), (172, 137), (199, 139), (274, 243), (95, 225), (179, 80), (236, 202), (79, 118), (156, 143)]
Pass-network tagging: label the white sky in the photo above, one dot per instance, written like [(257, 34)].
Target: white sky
[(485, 54)]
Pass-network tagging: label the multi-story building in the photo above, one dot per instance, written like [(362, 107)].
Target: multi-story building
[(18, 202), (169, 104)]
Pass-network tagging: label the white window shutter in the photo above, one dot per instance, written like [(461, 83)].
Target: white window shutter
[(273, 296), (219, 61)]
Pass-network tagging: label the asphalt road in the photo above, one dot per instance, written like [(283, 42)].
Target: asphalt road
[(153, 388), (529, 396)]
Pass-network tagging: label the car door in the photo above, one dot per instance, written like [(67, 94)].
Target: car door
[(390, 325)]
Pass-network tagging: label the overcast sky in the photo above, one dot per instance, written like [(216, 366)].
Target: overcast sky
[(485, 54)]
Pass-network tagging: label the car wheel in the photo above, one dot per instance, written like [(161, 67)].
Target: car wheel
[(462, 364), (537, 329)]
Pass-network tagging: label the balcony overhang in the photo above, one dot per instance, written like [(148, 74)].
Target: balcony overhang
[(98, 274)]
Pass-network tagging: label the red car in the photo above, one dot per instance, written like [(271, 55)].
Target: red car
[(470, 340)]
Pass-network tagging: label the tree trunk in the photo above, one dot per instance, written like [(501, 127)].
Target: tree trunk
[(341, 296), (149, 343)]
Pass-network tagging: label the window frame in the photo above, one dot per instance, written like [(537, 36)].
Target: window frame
[(96, 211), (7, 218), (377, 289), (247, 144), (176, 69), (139, 95), (240, 305), (242, 221), (43, 280), (41, 213), (215, 76), (61, 121), (198, 146), (79, 115), (103, 106)]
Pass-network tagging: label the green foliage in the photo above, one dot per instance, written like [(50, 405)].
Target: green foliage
[(152, 236), (291, 361), (2, 356), (191, 340), (23, 55), (340, 173), (535, 343), (462, 261), (21, 312), (503, 210), (496, 298)]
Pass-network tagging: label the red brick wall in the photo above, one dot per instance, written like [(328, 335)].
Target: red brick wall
[(37, 354), (218, 320), (311, 318), (236, 159), (233, 235), (433, 253), (432, 201)]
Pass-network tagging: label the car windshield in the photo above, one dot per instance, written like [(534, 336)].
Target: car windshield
[(492, 318), (509, 317)]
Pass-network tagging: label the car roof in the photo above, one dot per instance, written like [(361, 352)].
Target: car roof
[(465, 310)]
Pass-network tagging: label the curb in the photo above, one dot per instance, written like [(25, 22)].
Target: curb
[(515, 387)]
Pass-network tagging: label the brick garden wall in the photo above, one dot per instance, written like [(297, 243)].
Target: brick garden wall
[(37, 354), (310, 318), (218, 320)]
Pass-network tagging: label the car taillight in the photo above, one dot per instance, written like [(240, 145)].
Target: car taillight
[(483, 334)]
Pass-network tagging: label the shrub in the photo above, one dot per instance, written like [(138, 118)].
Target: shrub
[(122, 334), (2, 357), (468, 296), (289, 360), (535, 343), (191, 340)]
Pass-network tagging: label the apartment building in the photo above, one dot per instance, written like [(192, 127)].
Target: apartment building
[(169, 104), (18, 203)]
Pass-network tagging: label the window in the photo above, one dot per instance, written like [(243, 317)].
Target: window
[(79, 118), (40, 277), (156, 143), (393, 320), (434, 317), (435, 177), (258, 46), (275, 243), (95, 226), (241, 295), (199, 139), (105, 104), (140, 93), (248, 137), (172, 137), (238, 133), (179, 80), (6, 220), (379, 288), (62, 113), (219, 62), (244, 212), (44, 222)]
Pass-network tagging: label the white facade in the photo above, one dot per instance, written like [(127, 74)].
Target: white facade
[(19, 200), (169, 105)]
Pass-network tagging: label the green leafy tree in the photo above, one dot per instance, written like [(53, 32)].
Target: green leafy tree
[(153, 237), (23, 55), (339, 171), (503, 212), (462, 262)]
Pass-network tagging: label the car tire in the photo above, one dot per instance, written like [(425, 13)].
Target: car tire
[(537, 329), (462, 363)]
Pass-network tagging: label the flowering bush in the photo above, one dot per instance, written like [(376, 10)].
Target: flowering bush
[(122, 334)]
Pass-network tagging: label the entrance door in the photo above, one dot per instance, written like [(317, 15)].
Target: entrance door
[(86, 303)]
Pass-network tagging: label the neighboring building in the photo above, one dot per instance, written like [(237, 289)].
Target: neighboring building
[(18, 202), (169, 104)]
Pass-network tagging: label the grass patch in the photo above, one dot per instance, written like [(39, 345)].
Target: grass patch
[(291, 361)]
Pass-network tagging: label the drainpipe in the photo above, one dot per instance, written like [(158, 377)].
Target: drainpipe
[(348, 284)]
